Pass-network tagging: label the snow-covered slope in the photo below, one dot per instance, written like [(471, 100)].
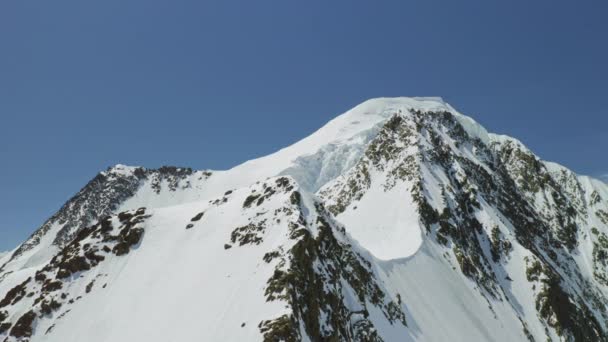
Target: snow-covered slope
[(4, 255), (399, 220)]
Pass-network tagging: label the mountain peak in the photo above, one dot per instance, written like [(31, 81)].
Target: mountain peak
[(383, 107), (120, 170), (401, 219)]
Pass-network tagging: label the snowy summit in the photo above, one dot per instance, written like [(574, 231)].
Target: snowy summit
[(399, 220)]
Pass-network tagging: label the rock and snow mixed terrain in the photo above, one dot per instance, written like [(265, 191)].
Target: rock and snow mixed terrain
[(399, 220)]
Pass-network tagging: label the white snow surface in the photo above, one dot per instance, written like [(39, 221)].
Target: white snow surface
[(181, 284), (4, 255), (385, 223)]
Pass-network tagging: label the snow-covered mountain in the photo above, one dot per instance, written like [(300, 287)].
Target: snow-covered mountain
[(399, 220)]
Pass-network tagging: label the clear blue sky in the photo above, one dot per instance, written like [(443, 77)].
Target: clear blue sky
[(209, 84)]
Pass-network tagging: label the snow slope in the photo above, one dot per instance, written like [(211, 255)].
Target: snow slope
[(160, 277)]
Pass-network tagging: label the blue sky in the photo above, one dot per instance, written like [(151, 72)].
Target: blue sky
[(209, 84)]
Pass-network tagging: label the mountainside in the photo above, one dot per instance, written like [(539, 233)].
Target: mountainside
[(399, 220)]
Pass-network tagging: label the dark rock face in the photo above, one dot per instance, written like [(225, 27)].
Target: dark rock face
[(4, 327), (15, 294), (23, 326)]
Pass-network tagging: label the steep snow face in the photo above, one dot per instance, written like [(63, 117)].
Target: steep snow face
[(395, 233)]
